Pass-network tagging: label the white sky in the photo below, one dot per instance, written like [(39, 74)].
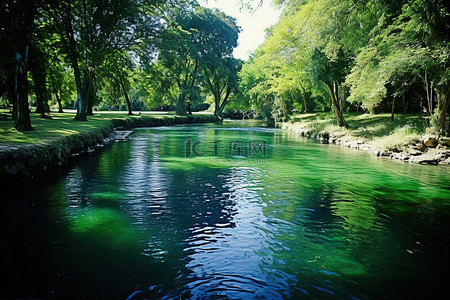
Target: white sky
[(252, 25)]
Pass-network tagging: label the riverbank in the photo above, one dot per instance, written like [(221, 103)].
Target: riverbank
[(406, 138), (54, 142)]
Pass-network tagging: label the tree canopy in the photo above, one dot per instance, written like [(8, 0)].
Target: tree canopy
[(322, 55), (347, 55)]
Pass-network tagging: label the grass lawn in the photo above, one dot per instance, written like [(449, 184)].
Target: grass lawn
[(377, 130), (61, 124)]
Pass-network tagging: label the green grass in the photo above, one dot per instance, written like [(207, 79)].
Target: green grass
[(61, 124), (377, 130)]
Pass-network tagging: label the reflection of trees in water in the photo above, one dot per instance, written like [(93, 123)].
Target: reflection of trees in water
[(169, 206), (350, 230), (131, 217), (190, 216)]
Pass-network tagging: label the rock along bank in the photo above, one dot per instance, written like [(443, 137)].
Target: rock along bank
[(427, 150)]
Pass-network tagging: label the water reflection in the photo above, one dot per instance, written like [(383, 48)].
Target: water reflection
[(143, 221)]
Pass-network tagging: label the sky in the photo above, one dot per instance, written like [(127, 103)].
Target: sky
[(252, 24)]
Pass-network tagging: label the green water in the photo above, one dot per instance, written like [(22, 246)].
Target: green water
[(251, 213)]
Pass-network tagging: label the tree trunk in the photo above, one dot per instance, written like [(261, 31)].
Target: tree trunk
[(90, 104), (429, 94), (21, 26), (393, 108), (181, 104), (91, 92), (127, 99), (341, 102), (339, 115), (187, 82), (405, 109), (38, 74), (189, 106), (88, 94), (216, 102), (303, 92), (39, 97), (58, 99), (224, 103), (443, 113), (81, 102)]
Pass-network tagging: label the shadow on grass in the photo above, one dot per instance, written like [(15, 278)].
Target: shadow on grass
[(364, 125)]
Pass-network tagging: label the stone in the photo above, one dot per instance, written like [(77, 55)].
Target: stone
[(364, 147), (445, 142), (445, 162), (444, 154), (386, 153), (421, 147), (425, 159), (414, 152), (401, 156), (324, 136), (430, 141)]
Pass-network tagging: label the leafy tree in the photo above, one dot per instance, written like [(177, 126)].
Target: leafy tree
[(254, 85), (179, 54), (331, 73), (222, 81), (196, 51), (89, 31), (403, 50), (217, 34)]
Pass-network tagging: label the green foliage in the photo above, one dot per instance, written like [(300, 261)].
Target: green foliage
[(194, 54), (364, 52), (320, 55)]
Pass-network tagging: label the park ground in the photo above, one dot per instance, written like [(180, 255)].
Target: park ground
[(62, 124)]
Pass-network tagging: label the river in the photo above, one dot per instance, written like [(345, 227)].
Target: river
[(228, 211)]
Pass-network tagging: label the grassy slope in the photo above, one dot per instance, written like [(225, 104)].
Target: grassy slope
[(377, 130), (61, 125)]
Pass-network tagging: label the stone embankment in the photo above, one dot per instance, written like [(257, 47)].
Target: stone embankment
[(427, 150), (30, 160)]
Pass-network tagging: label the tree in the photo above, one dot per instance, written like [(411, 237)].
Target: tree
[(89, 31), (117, 71), (21, 15), (332, 74), (222, 81), (38, 69), (304, 49), (217, 35), (7, 51), (179, 54), (195, 51), (255, 85), (403, 50)]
